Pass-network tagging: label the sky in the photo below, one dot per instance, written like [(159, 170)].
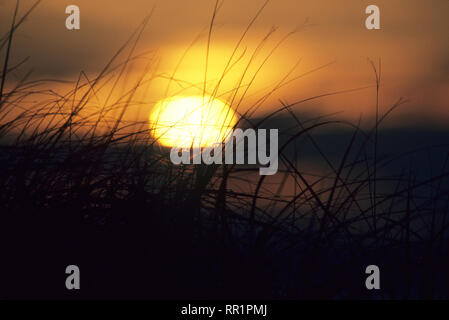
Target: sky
[(330, 39)]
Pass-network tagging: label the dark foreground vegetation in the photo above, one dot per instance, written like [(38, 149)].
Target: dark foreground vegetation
[(109, 200)]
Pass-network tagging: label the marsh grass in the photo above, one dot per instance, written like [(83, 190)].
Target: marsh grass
[(82, 186)]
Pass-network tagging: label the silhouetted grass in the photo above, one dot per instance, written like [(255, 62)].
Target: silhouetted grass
[(82, 186)]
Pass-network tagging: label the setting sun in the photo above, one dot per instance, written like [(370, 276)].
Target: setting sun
[(194, 120)]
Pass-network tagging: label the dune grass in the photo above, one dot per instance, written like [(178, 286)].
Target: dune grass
[(82, 186)]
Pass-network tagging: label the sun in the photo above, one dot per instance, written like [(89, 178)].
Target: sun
[(186, 121)]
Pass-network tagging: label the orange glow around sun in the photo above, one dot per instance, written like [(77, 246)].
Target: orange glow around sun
[(186, 121)]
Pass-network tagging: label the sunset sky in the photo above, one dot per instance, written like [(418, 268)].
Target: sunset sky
[(224, 149), (412, 45)]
